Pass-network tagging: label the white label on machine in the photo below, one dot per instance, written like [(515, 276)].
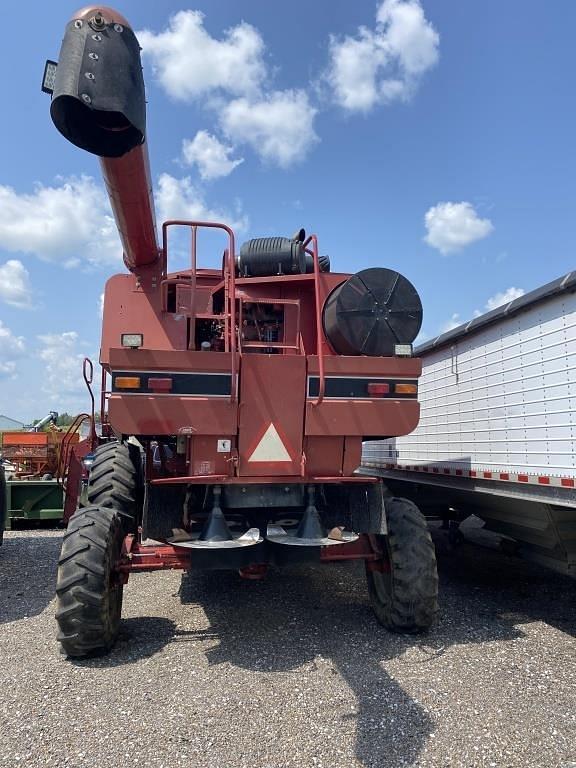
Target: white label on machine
[(270, 447), (224, 446)]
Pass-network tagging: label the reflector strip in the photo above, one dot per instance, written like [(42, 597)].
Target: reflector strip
[(362, 387), (171, 383), (509, 477)]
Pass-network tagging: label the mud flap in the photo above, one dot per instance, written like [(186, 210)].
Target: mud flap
[(367, 508)]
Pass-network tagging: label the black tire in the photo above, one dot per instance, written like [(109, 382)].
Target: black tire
[(404, 594), (115, 481), (89, 592)]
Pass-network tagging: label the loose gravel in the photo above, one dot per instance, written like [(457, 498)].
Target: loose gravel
[(214, 671)]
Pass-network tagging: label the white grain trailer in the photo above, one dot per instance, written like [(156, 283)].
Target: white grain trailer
[(497, 432)]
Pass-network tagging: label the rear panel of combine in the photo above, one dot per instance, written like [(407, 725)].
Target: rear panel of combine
[(229, 378)]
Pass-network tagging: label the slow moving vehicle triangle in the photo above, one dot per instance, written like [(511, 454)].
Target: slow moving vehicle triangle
[(270, 447)]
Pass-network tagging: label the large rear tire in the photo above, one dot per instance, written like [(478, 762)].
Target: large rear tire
[(403, 586), (88, 588), (115, 481)]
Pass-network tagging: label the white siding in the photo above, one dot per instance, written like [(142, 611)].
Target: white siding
[(502, 399)]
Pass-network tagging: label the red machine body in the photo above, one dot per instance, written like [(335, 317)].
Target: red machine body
[(234, 400), (245, 408)]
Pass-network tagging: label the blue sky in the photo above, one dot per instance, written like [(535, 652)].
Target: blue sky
[(433, 138)]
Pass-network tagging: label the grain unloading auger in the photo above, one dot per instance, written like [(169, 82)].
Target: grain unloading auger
[(234, 400)]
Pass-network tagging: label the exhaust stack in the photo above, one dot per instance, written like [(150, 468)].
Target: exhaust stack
[(98, 104)]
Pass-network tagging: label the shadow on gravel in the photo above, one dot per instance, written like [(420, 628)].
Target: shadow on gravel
[(138, 639), (506, 591), (316, 617), (27, 574)]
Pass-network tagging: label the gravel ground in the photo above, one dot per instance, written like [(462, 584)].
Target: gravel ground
[(292, 671)]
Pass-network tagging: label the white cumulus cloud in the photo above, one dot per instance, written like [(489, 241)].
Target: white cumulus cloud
[(232, 78), (15, 286), (188, 62), (505, 297), (180, 199), (278, 126), (210, 155), (62, 359), (384, 64), (452, 226), (70, 224), (11, 348)]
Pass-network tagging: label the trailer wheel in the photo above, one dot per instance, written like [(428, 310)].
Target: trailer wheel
[(89, 592), (403, 586), (115, 481)]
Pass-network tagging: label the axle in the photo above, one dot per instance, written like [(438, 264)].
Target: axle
[(138, 558)]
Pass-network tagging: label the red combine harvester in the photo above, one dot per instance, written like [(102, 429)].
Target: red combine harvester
[(234, 400)]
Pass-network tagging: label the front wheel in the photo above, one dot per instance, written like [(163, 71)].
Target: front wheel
[(88, 588), (115, 481), (403, 585)]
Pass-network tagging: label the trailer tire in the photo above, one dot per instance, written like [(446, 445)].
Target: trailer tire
[(404, 593), (115, 481), (89, 592)]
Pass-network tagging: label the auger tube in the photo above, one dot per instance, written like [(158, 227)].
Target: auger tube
[(99, 105)]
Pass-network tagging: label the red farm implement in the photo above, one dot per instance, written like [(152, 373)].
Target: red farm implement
[(35, 454), (234, 400)]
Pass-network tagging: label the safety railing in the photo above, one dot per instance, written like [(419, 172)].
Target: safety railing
[(313, 240), (68, 439), (228, 278), (66, 447)]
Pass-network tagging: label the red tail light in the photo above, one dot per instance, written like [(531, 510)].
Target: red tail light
[(160, 384), (378, 388)]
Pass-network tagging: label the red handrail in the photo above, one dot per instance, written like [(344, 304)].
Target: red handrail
[(88, 374), (105, 427), (65, 447), (320, 352), (229, 276)]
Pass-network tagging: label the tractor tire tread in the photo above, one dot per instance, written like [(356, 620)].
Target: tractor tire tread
[(412, 603), (87, 622), (115, 480)]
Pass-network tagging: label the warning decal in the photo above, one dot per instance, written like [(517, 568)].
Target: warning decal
[(270, 447)]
